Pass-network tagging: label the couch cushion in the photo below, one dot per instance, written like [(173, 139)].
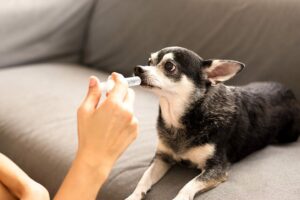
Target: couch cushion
[(38, 107), (38, 131), (33, 30), (263, 34)]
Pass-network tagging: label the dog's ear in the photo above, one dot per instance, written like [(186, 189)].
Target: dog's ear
[(221, 70)]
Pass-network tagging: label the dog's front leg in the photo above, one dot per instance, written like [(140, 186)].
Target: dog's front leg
[(207, 180), (153, 174)]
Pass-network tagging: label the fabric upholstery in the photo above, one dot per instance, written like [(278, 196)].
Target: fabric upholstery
[(38, 107), (262, 34), (38, 102), (32, 31), (38, 131)]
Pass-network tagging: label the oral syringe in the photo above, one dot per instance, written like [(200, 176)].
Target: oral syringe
[(109, 84)]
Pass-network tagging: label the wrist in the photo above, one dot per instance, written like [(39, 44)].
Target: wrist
[(99, 166)]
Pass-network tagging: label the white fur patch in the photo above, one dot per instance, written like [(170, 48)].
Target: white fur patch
[(175, 96), (153, 174), (190, 189), (194, 186), (175, 99)]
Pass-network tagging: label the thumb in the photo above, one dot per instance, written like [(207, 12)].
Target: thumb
[(92, 98)]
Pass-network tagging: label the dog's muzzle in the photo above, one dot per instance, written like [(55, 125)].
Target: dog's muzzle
[(138, 70)]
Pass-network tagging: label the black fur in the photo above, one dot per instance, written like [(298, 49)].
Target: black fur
[(237, 120), (258, 114)]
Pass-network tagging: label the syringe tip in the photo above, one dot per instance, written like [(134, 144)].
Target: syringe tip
[(133, 81)]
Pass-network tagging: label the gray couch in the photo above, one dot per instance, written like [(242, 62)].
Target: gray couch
[(49, 49)]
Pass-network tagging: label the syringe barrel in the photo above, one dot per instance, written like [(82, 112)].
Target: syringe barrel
[(133, 81)]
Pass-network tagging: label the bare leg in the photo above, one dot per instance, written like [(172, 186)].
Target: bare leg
[(207, 180), (154, 173)]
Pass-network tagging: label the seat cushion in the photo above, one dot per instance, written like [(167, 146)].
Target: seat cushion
[(35, 31), (38, 106)]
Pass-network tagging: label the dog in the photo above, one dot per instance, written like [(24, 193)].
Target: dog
[(206, 124)]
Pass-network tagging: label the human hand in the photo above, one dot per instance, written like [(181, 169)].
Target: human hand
[(106, 130)]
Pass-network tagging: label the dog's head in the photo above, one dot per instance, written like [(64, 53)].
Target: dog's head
[(176, 70)]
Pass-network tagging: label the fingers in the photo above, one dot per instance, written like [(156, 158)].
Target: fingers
[(91, 101), (129, 99), (120, 89)]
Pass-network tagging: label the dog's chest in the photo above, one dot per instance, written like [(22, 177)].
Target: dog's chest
[(196, 155)]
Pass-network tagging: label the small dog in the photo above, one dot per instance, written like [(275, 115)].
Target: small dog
[(208, 125)]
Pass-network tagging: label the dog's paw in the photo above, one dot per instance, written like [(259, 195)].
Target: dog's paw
[(182, 197), (134, 196)]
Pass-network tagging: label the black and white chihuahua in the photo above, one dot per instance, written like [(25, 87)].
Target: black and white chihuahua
[(206, 124)]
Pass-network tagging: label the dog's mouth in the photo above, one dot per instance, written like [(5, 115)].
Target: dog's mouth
[(149, 85), (146, 83)]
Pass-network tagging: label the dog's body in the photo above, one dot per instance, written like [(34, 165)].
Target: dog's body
[(208, 125)]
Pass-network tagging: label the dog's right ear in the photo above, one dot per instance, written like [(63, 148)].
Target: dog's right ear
[(221, 70)]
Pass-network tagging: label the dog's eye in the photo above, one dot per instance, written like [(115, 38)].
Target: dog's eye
[(170, 67)]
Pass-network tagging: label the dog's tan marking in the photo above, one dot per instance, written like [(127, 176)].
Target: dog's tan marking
[(197, 155), (200, 155), (154, 57)]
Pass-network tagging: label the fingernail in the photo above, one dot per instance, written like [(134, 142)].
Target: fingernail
[(117, 75), (92, 82), (114, 75)]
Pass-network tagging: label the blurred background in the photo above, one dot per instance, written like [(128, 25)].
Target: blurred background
[(115, 35)]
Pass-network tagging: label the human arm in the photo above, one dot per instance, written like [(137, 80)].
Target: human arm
[(16, 184), (104, 132)]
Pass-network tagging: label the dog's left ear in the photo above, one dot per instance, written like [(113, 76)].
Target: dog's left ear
[(221, 70)]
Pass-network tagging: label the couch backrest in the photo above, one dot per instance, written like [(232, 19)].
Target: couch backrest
[(36, 30), (263, 34)]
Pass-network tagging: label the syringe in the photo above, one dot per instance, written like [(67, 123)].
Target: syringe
[(109, 84)]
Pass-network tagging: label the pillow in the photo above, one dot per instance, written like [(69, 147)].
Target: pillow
[(32, 31)]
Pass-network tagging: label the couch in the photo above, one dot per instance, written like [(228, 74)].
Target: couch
[(49, 49)]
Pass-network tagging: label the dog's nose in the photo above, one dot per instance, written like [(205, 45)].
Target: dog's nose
[(138, 70)]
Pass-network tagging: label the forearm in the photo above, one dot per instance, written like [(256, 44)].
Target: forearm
[(83, 180), (13, 177), (16, 182), (104, 132), (5, 193)]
